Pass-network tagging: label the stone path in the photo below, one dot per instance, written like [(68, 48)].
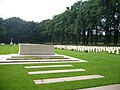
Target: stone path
[(54, 80), (55, 71), (61, 79), (69, 65), (108, 87)]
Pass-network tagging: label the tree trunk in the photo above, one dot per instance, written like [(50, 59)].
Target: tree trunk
[(96, 35), (83, 37)]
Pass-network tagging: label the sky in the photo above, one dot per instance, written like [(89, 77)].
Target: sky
[(33, 10)]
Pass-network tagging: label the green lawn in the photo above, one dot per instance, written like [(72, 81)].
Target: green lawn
[(15, 77), (8, 49)]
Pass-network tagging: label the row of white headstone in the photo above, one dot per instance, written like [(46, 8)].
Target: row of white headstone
[(109, 49)]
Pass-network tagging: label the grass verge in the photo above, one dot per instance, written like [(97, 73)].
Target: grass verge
[(8, 49)]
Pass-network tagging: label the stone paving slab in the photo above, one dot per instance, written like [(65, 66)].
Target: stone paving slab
[(108, 87), (64, 79), (56, 71), (67, 65)]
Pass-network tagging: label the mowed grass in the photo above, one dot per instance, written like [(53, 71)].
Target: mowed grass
[(8, 49), (16, 77)]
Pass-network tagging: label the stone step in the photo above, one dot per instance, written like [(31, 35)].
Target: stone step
[(38, 56), (56, 71), (44, 60), (34, 58), (37, 62), (65, 79)]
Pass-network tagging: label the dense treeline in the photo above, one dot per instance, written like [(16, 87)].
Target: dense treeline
[(90, 22)]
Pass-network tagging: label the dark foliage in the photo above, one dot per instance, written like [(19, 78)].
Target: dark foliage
[(91, 22)]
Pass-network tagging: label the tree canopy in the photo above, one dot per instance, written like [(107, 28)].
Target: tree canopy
[(90, 22)]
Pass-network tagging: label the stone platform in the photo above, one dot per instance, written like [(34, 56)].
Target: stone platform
[(18, 59)]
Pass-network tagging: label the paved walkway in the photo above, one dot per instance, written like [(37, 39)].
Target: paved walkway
[(108, 87)]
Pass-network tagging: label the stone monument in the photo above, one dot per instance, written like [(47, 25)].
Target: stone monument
[(36, 49), (11, 42)]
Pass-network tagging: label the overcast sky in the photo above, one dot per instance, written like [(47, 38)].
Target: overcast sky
[(36, 10)]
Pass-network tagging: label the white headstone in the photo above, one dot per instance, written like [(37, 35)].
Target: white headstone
[(117, 51)]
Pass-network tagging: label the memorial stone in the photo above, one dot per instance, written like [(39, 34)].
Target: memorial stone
[(36, 49)]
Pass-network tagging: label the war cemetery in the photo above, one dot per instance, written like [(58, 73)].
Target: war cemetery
[(78, 49), (51, 67)]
